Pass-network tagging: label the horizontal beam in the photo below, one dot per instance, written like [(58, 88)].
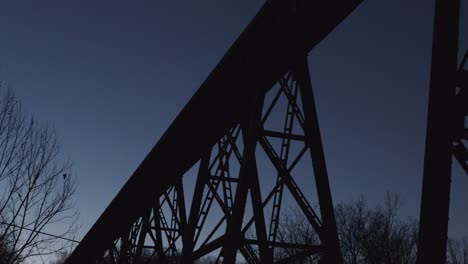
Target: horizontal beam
[(279, 34), (300, 256), (208, 248), (286, 245), (275, 134)]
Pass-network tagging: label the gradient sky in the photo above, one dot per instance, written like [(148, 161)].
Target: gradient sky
[(112, 75)]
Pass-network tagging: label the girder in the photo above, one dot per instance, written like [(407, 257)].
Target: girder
[(460, 131), (163, 235), (155, 236), (440, 135), (279, 36)]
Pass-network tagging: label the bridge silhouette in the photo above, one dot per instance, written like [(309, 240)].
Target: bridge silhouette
[(229, 121)]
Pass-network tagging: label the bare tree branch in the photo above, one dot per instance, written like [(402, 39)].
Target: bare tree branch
[(37, 185)]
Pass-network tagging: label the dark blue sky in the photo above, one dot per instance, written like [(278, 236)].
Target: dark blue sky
[(112, 75)]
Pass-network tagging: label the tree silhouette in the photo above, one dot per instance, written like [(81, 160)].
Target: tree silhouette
[(35, 195), (457, 251), (376, 235), (368, 235)]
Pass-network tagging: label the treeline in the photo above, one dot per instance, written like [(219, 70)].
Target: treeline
[(368, 235)]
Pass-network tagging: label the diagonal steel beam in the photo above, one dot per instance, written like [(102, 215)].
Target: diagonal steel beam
[(255, 62), (435, 198), (248, 171), (314, 141)]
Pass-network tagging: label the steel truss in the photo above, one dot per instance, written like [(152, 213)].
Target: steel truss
[(155, 235), (458, 137), (227, 175), (259, 58), (445, 132), (460, 151)]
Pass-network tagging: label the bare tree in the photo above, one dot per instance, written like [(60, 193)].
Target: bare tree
[(457, 251), (5, 251), (367, 235), (376, 235), (61, 257), (295, 228), (36, 184)]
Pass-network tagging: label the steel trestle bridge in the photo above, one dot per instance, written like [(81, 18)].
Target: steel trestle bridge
[(226, 124)]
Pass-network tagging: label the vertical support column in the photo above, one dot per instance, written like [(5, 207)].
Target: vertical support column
[(157, 227), (247, 175), (435, 198), (124, 246), (145, 227), (188, 235), (314, 141), (266, 255), (179, 188)]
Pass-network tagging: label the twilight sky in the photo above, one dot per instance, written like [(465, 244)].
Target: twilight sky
[(112, 75)]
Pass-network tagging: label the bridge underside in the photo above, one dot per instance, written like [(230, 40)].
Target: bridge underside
[(238, 206), (220, 128)]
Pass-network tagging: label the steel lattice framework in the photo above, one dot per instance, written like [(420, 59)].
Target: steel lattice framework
[(460, 132), (223, 127), (227, 174), (445, 133)]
